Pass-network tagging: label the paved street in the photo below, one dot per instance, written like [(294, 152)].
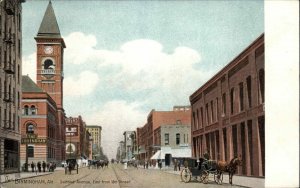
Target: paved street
[(114, 176)]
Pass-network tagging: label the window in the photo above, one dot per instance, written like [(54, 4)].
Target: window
[(224, 104), (241, 96), (166, 139), (33, 110), (217, 108), (198, 120), (183, 138), (26, 110), (207, 117), (19, 48), (196, 125), (201, 111), (194, 119), (177, 139), (249, 91), (30, 128), (30, 151), (262, 85), (48, 64), (0, 84), (231, 100), (212, 111)]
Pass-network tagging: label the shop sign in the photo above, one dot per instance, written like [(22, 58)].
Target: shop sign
[(33, 139)]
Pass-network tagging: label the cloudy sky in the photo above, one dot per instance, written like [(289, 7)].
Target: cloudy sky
[(124, 58)]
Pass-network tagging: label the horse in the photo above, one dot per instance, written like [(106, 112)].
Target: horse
[(106, 163), (223, 166), (70, 167)]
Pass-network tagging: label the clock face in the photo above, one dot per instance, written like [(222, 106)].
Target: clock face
[(48, 49)]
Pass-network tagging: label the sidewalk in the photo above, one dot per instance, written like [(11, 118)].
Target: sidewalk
[(22, 175), (244, 181)]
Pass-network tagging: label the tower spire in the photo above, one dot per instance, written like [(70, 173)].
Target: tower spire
[(49, 26)]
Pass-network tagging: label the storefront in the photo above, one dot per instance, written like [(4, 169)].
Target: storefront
[(11, 156)]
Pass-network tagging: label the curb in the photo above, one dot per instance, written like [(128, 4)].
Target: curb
[(8, 179)]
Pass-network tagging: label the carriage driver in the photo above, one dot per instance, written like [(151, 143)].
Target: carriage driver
[(206, 155)]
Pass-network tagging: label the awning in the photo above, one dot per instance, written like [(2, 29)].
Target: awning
[(181, 153), (157, 155)]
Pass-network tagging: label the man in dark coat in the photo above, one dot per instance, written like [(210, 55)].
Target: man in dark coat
[(32, 165), (44, 166), (39, 165)]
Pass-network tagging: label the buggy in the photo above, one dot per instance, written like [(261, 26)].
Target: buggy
[(200, 170), (72, 165)]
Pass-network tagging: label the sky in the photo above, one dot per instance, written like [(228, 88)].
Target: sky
[(125, 58)]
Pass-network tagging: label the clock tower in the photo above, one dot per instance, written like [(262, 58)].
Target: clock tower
[(50, 48)]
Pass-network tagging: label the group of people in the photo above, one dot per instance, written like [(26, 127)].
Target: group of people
[(41, 166)]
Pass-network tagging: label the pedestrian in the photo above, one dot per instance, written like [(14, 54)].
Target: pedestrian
[(48, 166), (147, 164), (160, 164), (32, 166), (44, 166), (175, 165), (39, 166), (179, 164), (206, 155)]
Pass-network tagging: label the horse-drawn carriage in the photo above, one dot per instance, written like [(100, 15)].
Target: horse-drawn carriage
[(202, 168), (71, 165), (200, 171)]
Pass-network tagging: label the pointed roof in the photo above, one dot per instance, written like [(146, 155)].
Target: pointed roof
[(49, 26), (29, 86)]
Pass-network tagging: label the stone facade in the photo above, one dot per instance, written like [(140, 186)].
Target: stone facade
[(10, 84)]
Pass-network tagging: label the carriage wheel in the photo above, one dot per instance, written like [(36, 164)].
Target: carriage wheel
[(204, 177), (218, 177), (186, 175)]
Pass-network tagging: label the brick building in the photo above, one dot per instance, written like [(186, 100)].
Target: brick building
[(145, 134), (38, 124), (43, 102), (50, 50), (228, 112), (77, 141), (10, 84)]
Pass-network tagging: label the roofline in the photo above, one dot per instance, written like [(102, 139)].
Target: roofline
[(215, 77)]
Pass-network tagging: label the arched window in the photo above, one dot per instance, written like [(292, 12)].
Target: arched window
[(262, 84), (48, 64), (26, 110), (30, 128), (33, 110)]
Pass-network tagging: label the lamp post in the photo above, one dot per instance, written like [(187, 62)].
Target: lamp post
[(70, 144)]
